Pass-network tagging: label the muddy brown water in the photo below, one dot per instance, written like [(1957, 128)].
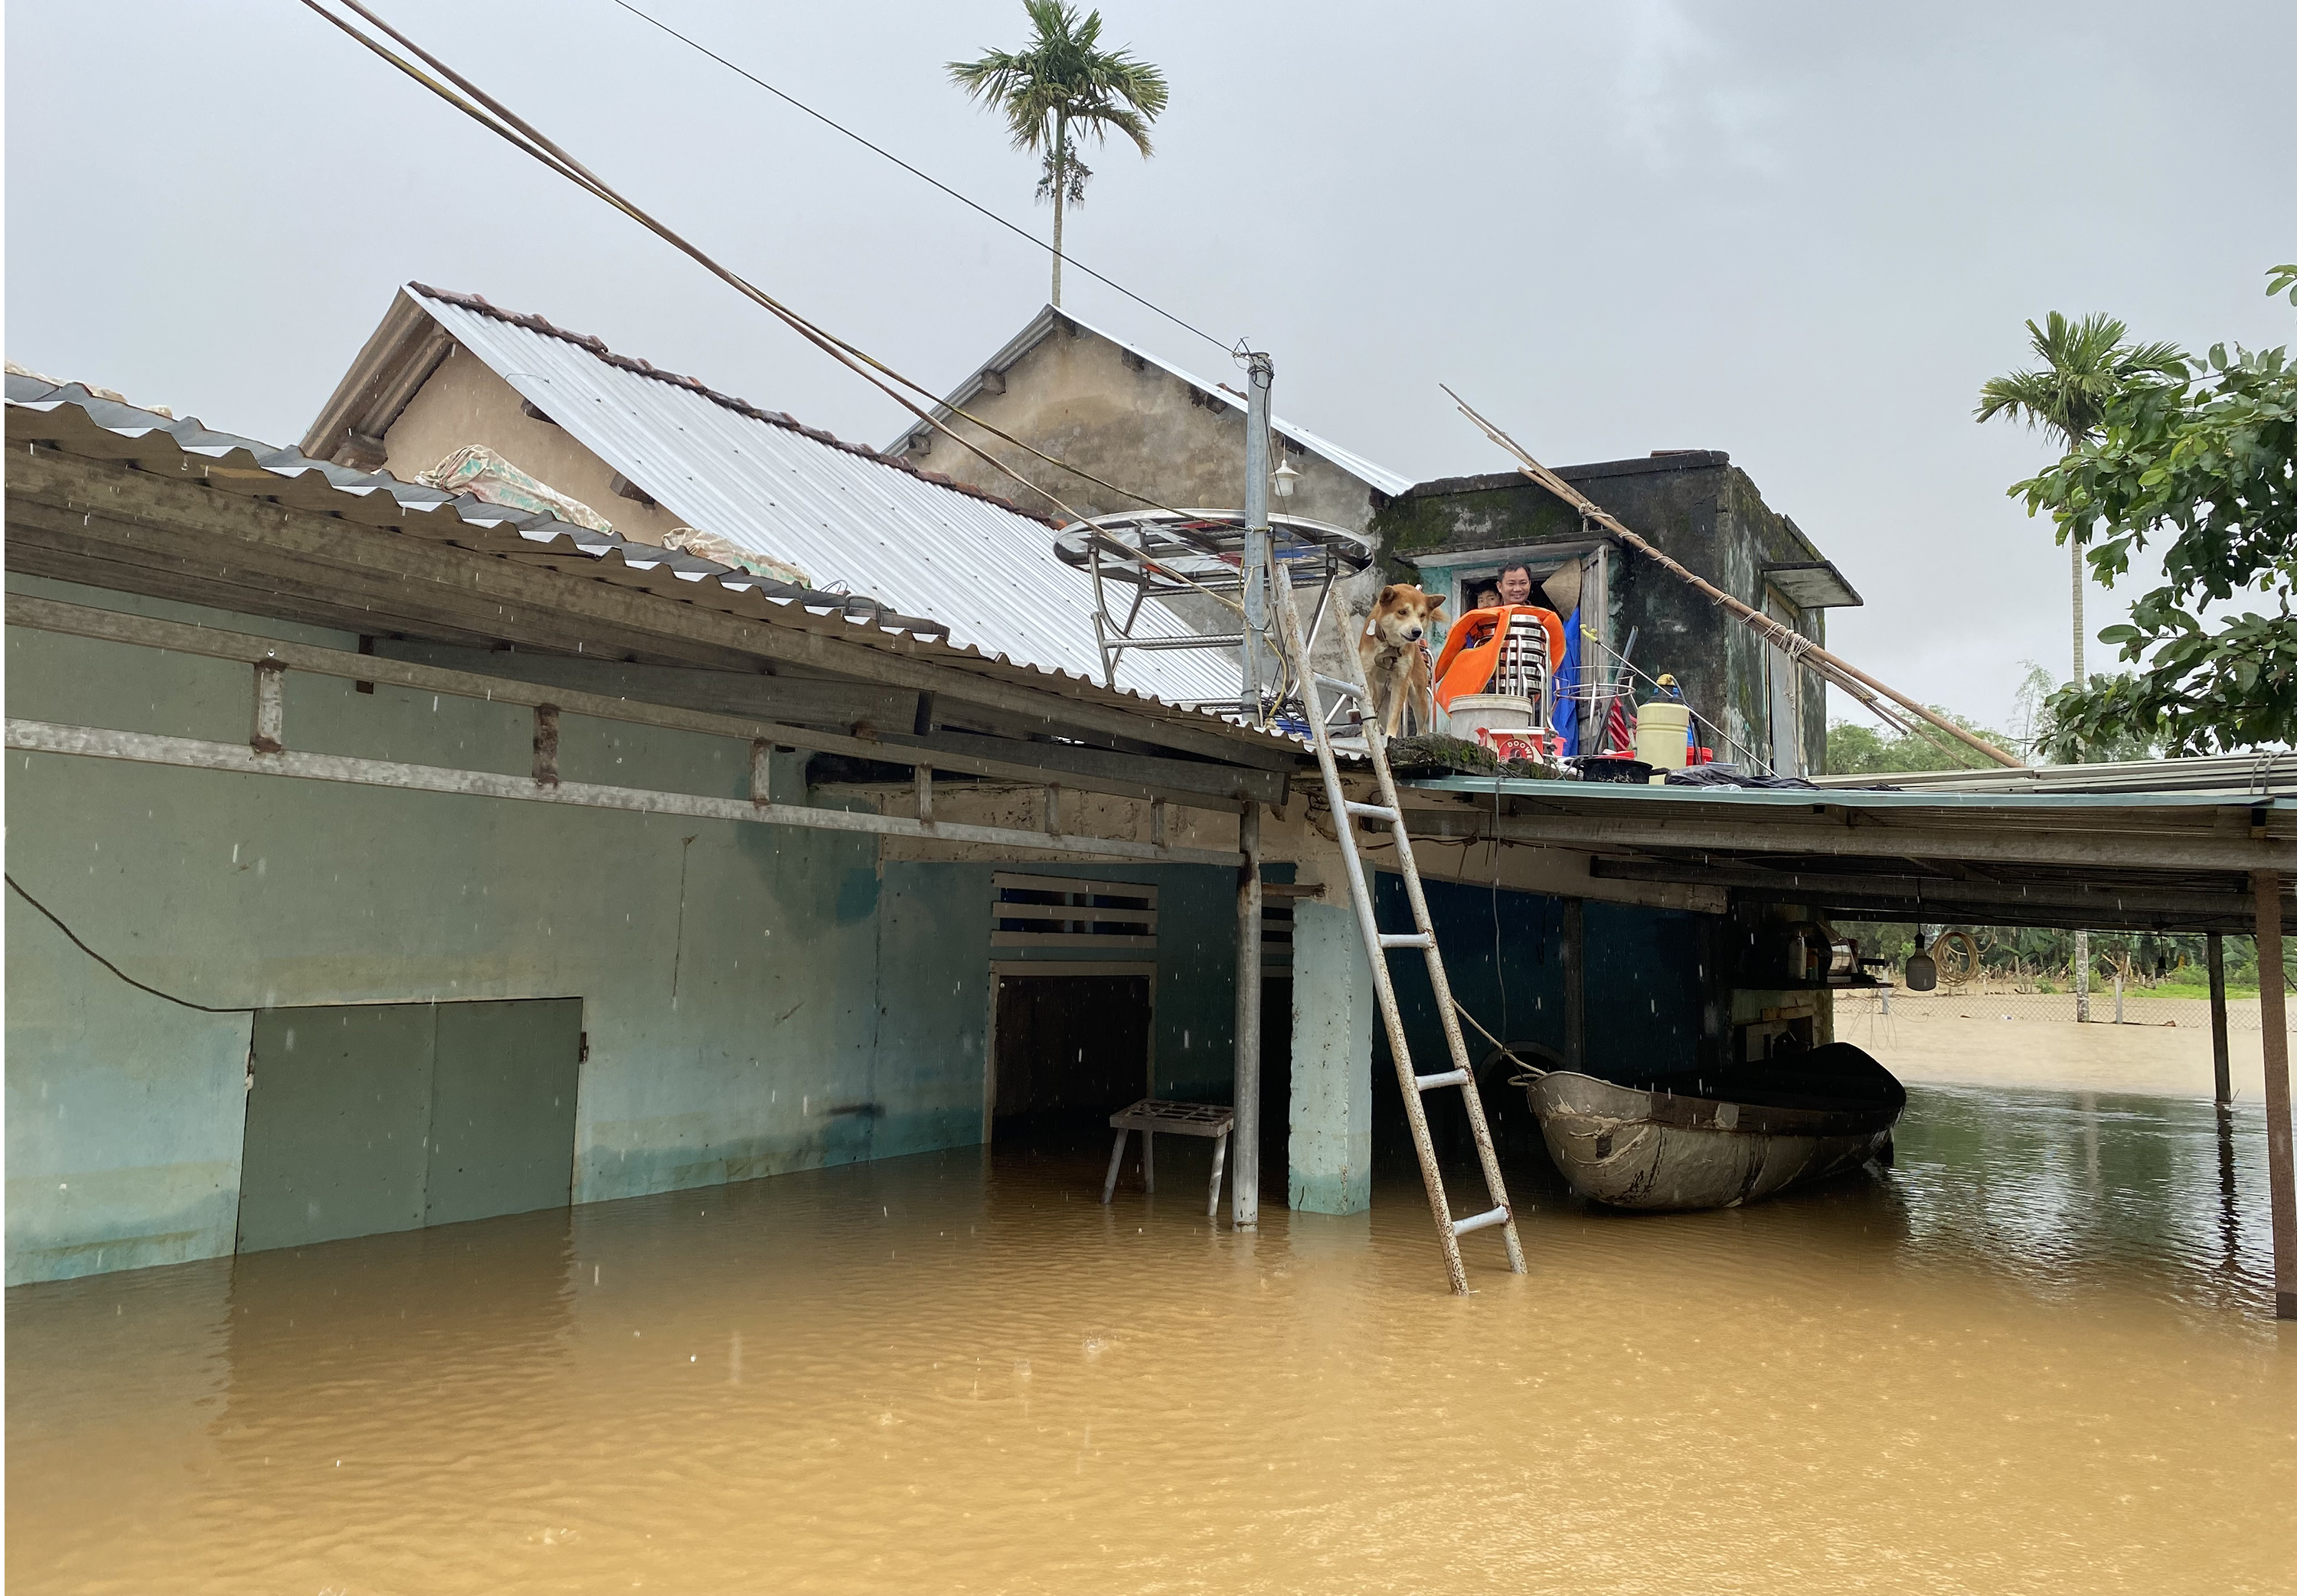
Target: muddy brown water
[(2031, 1359)]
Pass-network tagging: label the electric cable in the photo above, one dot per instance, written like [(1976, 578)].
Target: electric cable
[(73, 937), (925, 178), (507, 125)]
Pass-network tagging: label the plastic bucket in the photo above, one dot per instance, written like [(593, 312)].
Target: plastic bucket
[(1663, 735), (1474, 712)]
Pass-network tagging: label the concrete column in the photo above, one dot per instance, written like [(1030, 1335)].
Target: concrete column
[(1244, 1154), (2280, 1178), (1332, 1020)]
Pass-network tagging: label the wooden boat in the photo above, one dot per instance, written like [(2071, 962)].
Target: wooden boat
[(1716, 1140)]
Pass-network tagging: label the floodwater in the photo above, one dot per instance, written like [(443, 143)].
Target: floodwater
[(2033, 1358)]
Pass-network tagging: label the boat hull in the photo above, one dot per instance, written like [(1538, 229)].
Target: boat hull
[(1631, 1146)]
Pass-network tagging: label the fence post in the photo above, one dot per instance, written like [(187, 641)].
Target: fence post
[(2219, 1053), (2273, 1009)]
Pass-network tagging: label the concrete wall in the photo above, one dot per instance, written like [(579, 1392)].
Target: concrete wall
[(738, 980), (1086, 400), (1083, 400), (1701, 510), (464, 402), (1503, 954)]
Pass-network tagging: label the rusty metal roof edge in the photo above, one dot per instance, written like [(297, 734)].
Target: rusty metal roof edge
[(129, 422)]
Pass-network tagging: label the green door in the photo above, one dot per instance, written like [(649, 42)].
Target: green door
[(502, 1109), (337, 1116), (371, 1118)]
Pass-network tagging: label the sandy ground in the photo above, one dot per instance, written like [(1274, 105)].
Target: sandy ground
[(1967, 1040)]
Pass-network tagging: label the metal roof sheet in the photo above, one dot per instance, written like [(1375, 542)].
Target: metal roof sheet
[(128, 422), (1390, 482), (1590, 796), (843, 513), (76, 419)]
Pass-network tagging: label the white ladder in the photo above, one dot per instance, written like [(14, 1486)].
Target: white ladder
[(1390, 811)]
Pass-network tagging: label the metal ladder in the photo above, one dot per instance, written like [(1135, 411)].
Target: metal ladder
[(1390, 811)]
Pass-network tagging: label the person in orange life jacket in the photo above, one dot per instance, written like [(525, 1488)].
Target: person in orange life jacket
[(1472, 652)]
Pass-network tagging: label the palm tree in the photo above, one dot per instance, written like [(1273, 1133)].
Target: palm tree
[(2085, 364), (1061, 88)]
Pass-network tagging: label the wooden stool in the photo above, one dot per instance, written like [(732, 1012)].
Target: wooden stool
[(1152, 1115)]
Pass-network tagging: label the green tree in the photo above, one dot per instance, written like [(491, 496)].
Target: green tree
[(2209, 462), (1856, 750), (2086, 366), (1061, 88)]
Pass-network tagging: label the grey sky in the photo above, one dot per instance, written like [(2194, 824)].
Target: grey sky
[(1804, 233)]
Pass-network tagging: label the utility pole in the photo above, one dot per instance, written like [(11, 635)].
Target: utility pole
[(1260, 376), (1244, 1187)]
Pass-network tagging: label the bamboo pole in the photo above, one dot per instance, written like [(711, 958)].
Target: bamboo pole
[(1785, 639)]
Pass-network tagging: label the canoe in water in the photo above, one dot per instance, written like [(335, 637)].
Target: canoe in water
[(1718, 1138)]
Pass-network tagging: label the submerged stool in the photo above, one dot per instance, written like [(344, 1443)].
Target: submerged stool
[(1152, 1115)]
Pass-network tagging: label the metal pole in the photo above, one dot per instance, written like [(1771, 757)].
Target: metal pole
[(1260, 376), (2274, 1011), (1244, 1178), (2220, 1053)]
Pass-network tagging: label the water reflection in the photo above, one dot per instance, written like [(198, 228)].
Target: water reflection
[(2032, 1357)]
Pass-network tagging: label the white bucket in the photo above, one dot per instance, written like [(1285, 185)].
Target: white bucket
[(1471, 712), (1663, 735)]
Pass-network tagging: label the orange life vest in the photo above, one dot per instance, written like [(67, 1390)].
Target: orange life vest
[(1471, 652)]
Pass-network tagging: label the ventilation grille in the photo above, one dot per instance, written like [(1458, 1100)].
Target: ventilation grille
[(1050, 911)]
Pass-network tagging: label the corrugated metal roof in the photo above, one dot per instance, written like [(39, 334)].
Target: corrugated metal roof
[(1390, 482), (76, 419), (106, 409), (840, 513)]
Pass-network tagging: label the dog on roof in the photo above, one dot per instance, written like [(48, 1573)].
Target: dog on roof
[(1394, 653)]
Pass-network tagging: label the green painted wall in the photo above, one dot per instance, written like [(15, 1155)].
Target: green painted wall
[(757, 999)]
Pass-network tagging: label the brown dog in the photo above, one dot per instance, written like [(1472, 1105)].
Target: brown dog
[(1394, 653)]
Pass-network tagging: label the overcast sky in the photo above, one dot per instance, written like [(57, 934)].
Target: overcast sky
[(1804, 233)]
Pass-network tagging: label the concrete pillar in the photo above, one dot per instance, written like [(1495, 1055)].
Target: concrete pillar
[(1244, 1156), (1332, 1020)]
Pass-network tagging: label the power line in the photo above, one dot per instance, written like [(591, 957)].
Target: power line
[(499, 119), (835, 126)]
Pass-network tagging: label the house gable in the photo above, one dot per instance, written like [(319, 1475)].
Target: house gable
[(1131, 419)]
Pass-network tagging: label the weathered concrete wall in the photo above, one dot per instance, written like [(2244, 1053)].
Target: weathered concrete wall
[(1084, 399), (1089, 401), (1701, 510), (738, 980), (464, 402)]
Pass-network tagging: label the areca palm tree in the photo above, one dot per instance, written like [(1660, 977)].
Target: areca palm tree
[(2085, 364), (1061, 88)]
